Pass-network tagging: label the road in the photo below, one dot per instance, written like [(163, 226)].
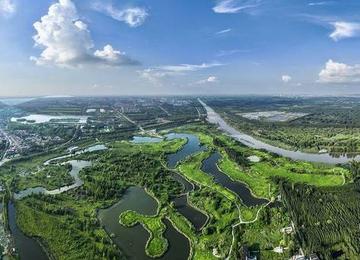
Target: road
[(10, 142)]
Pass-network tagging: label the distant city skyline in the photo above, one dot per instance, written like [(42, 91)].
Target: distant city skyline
[(179, 47)]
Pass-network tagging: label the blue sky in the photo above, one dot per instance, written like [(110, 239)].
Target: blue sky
[(91, 47)]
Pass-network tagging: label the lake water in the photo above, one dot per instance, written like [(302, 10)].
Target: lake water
[(250, 141), (192, 146), (132, 241), (38, 119), (90, 149)]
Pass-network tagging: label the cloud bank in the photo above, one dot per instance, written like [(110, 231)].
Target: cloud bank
[(210, 79), (336, 73), (67, 42)]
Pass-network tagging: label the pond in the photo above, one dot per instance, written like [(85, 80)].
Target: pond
[(132, 241)]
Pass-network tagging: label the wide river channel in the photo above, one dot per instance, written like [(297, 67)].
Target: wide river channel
[(250, 141)]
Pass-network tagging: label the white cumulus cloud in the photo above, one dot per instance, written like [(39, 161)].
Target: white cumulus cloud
[(344, 30), (234, 6), (133, 16), (286, 78), (336, 72), (67, 42), (109, 54), (7, 8), (210, 79)]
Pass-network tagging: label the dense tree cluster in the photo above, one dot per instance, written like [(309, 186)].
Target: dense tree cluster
[(113, 173), (326, 219)]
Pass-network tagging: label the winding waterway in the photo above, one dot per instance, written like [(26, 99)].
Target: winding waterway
[(192, 146), (240, 189), (197, 218), (76, 167), (250, 141)]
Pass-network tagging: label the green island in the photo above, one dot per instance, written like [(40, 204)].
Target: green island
[(157, 244)]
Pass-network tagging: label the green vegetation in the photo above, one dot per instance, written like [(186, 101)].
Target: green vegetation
[(67, 226), (265, 234), (50, 177)]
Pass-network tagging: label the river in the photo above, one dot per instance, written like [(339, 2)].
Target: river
[(26, 247), (250, 141)]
